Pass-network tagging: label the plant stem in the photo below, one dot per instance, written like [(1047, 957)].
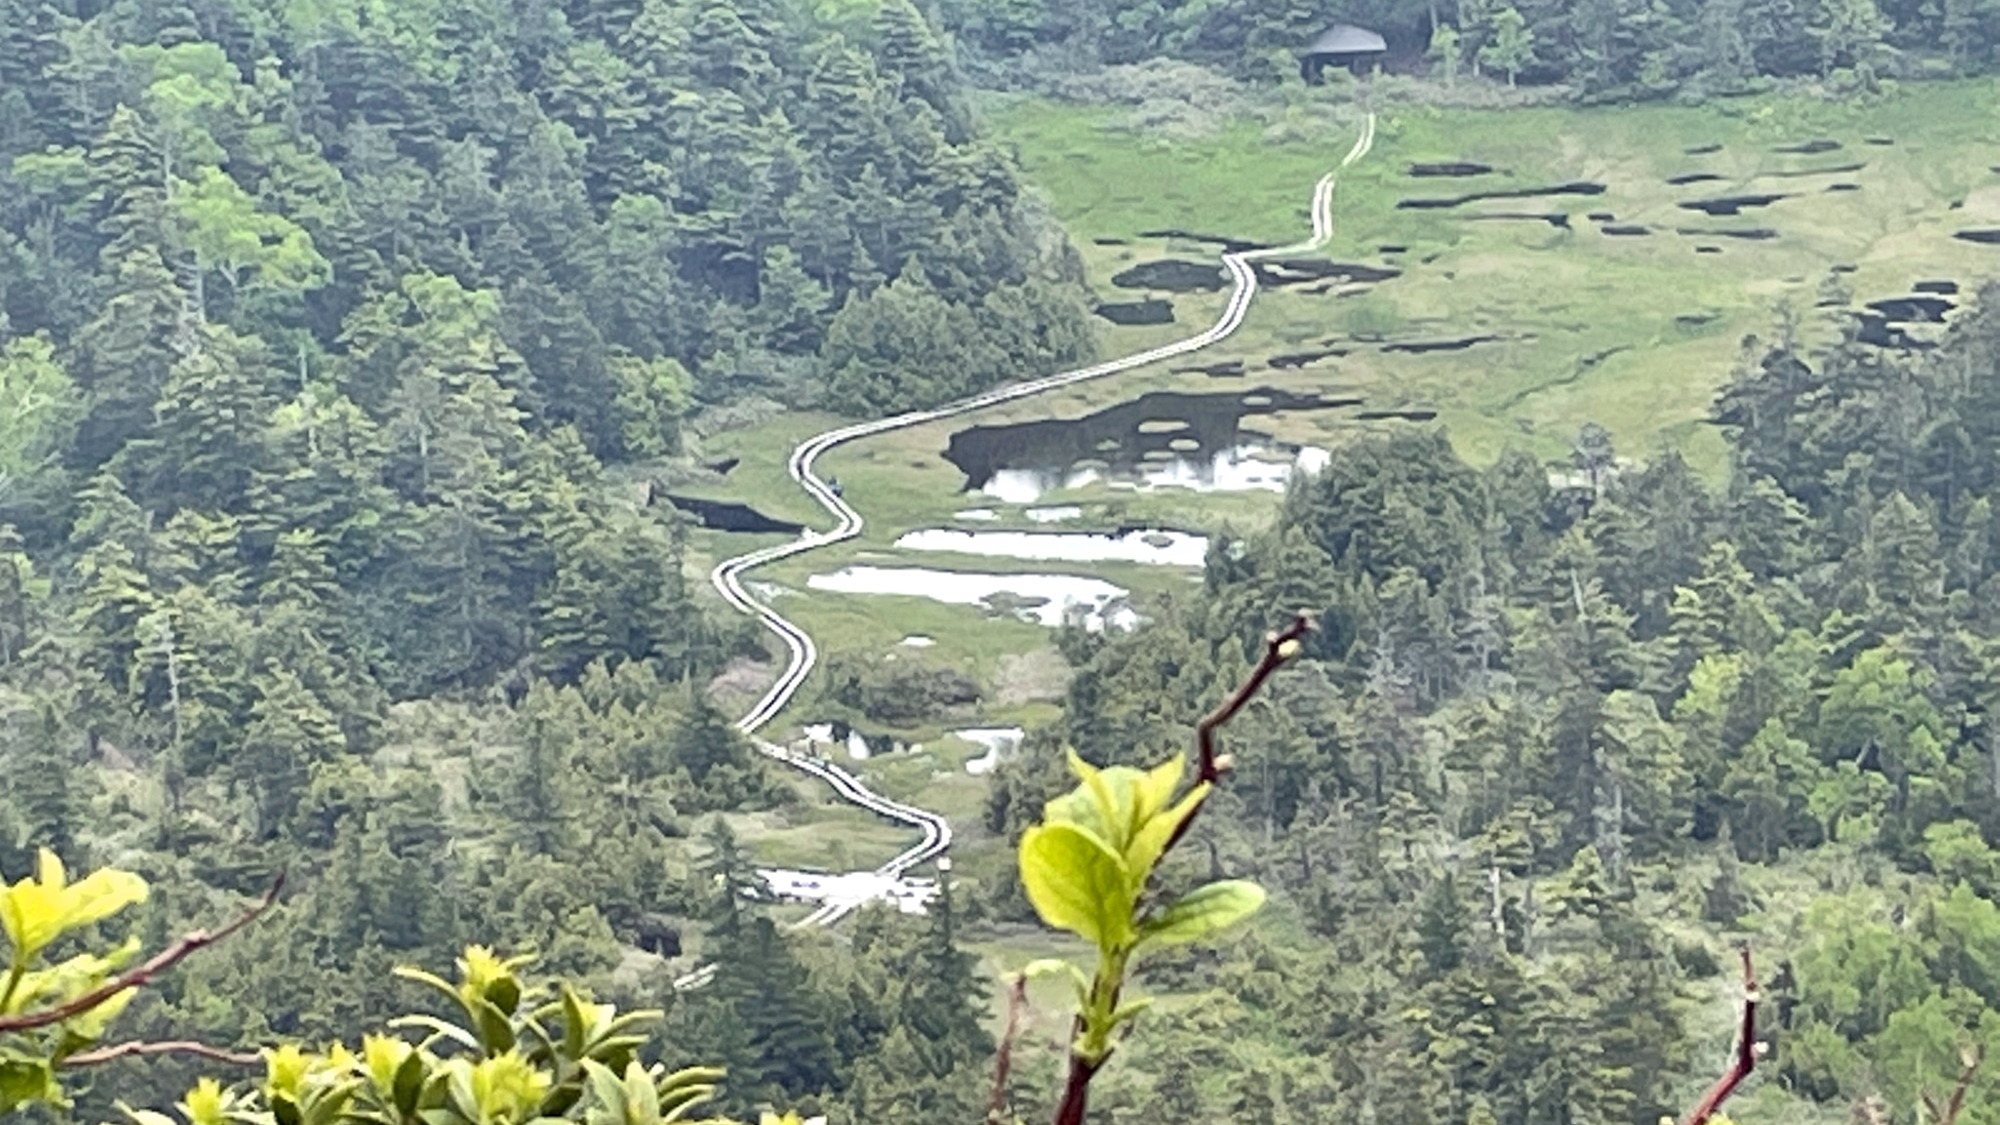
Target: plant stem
[(1092, 1032), (1003, 1060), (1742, 1063), (143, 974), (1076, 1092), (14, 975)]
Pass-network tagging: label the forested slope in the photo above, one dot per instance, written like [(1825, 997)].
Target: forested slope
[(1555, 747), (318, 326), (334, 340), (638, 204)]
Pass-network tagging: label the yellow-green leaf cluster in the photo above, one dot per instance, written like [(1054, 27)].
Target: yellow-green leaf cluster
[(517, 1057), (38, 910), (1085, 869), (36, 913), (1087, 864)]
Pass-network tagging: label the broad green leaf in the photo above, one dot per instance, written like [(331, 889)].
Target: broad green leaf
[(100, 895), (504, 994), (410, 1076), (682, 1091), (438, 1029), (693, 1076), (89, 1026), (641, 1097), (1083, 770), (1113, 803), (1078, 807), (1077, 883), (495, 1032), (1203, 911), (71, 978), (34, 912), (1089, 806), (1156, 787), (607, 1091), (1146, 845), (575, 1023)]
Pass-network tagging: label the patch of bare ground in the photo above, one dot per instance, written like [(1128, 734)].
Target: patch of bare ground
[(741, 683)]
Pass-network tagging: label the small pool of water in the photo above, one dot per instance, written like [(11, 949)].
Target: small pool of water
[(1161, 438), (849, 889), (824, 738), (1163, 548), (999, 741), (1240, 468), (1046, 599)]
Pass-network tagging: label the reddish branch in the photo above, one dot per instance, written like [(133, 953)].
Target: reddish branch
[(1969, 1059), (143, 974), (141, 1048), (1278, 647), (1003, 1062), (1744, 1061), (1274, 654), (1076, 1091), (1210, 766)]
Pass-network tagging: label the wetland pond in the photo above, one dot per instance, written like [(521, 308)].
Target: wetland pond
[(1161, 548), (1045, 599), (1161, 439), (998, 741)]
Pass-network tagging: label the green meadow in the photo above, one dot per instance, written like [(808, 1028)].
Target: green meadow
[(1634, 332)]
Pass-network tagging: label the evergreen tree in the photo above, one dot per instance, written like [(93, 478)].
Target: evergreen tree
[(206, 444), (289, 732)]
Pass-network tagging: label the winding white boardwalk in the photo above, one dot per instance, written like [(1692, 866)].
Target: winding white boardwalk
[(728, 577)]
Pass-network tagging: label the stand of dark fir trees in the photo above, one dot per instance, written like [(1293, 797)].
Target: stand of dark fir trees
[(329, 333), (1603, 49)]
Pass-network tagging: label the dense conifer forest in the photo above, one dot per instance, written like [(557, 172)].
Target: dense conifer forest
[(344, 347), (1603, 50)]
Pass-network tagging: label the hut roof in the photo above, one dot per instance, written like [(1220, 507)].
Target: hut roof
[(1346, 39)]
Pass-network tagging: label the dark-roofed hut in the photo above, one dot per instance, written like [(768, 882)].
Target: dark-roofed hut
[(1342, 45)]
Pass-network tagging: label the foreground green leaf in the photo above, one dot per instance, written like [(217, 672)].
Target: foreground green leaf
[(1077, 883), (1203, 911)]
